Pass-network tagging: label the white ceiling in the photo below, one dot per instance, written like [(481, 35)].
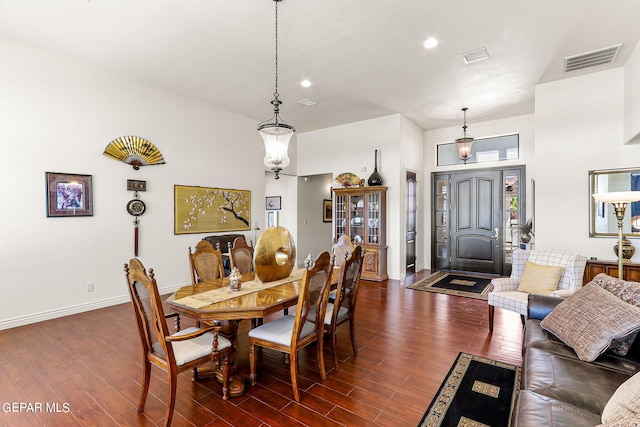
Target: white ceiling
[(365, 58)]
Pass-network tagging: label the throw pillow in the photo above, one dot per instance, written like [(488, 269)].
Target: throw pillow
[(628, 292), (624, 403), (540, 279), (588, 320)]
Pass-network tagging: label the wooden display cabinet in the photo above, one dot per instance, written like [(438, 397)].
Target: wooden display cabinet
[(631, 271), (360, 213)]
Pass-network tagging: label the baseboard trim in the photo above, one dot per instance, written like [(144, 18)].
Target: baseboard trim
[(75, 309)]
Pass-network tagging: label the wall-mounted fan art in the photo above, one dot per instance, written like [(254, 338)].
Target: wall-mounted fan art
[(134, 151)]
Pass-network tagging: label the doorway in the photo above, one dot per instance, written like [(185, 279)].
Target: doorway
[(475, 212), (411, 213)]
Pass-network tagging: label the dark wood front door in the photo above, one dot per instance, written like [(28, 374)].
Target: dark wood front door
[(476, 221)]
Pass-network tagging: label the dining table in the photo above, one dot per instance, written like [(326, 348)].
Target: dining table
[(215, 302)]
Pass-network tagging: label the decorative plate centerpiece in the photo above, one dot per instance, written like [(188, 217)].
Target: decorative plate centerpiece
[(349, 179)]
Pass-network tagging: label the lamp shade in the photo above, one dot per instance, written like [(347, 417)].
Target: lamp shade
[(276, 137), (618, 197), (464, 147)]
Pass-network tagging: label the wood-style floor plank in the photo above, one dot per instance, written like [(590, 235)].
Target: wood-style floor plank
[(407, 341)]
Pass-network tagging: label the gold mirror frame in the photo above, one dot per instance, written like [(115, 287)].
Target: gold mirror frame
[(602, 219)]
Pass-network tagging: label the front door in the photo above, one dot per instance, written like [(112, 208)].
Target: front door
[(475, 241)]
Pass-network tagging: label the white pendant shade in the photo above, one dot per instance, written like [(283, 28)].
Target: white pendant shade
[(618, 197), (276, 143), (464, 144)]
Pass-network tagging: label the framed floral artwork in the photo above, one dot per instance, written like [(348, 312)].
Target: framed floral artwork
[(210, 210), (69, 194)]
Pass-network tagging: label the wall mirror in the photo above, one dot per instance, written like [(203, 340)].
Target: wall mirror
[(602, 219)]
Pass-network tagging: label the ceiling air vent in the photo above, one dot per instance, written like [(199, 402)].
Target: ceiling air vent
[(475, 55), (307, 102), (591, 59)]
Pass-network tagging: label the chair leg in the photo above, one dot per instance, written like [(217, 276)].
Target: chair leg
[(225, 377), (320, 356), (253, 363), (146, 376), (334, 348), (491, 310), (293, 367), (352, 331), (171, 399), (522, 318)]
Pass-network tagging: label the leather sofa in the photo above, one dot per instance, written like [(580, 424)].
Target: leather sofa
[(557, 388)]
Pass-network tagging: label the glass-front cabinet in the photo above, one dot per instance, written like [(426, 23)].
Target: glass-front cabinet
[(359, 212)]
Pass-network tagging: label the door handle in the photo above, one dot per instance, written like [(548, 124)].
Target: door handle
[(496, 234)]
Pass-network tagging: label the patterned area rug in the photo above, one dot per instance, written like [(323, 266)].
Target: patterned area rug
[(468, 285), (477, 392)]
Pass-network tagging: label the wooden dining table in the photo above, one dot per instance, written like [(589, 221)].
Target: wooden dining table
[(213, 301)]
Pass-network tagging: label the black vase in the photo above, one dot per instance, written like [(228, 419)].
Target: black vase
[(375, 178)]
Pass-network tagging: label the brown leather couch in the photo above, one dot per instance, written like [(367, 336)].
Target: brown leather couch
[(558, 389)]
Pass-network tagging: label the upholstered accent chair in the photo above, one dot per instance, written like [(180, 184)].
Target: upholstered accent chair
[(505, 293), (343, 308), (205, 263), (173, 353), (289, 334), (241, 255)]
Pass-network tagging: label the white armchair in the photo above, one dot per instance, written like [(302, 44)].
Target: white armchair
[(505, 292)]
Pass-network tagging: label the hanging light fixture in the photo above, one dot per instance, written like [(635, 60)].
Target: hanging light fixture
[(465, 141), (274, 132)]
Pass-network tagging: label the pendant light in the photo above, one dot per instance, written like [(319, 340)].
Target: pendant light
[(274, 132), (465, 141)]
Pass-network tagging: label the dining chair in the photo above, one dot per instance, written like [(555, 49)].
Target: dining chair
[(241, 255), (289, 334), (205, 263), (343, 308), (173, 353)]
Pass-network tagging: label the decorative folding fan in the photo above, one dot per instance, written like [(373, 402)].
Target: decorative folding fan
[(134, 151)]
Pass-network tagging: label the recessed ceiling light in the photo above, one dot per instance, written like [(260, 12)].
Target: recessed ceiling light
[(305, 83), (430, 43)]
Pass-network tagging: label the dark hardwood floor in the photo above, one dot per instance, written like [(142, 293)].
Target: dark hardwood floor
[(87, 367)]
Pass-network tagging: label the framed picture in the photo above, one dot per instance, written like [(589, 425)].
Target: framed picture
[(327, 210), (69, 194), (273, 203), (210, 210), (272, 219)]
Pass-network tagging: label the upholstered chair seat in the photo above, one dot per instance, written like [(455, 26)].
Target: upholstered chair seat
[(195, 348)]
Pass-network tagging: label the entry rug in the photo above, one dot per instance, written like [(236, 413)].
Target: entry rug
[(468, 285), (477, 392)]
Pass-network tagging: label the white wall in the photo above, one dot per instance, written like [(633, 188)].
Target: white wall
[(58, 115), (579, 127), (632, 97), (314, 235)]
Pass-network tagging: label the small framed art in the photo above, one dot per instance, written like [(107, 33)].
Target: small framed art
[(327, 210), (69, 194), (274, 203)]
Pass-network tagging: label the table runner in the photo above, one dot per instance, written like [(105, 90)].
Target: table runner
[(225, 293)]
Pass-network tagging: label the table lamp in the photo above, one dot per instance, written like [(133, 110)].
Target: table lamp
[(619, 200)]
